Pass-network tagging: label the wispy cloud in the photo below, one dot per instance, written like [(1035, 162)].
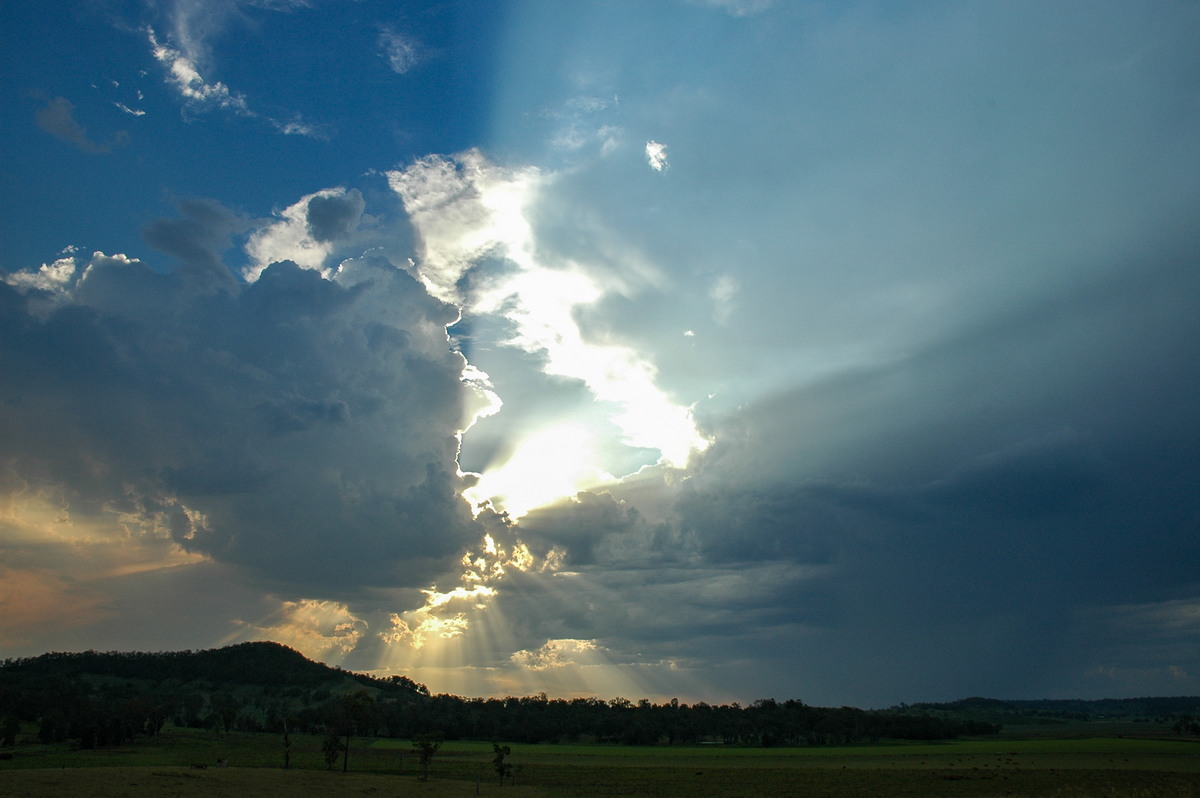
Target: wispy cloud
[(183, 74), (401, 51), (200, 94), (128, 110)]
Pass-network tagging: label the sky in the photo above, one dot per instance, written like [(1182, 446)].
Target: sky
[(713, 349)]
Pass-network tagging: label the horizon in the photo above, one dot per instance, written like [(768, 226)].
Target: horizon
[(721, 348), (610, 699)]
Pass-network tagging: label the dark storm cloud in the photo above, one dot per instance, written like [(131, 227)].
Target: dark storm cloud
[(198, 238), (1009, 496), (303, 427), (999, 482)]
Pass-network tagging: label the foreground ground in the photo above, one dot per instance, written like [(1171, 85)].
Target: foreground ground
[(1114, 767)]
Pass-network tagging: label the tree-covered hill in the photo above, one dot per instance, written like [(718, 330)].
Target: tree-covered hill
[(258, 664), (106, 698)]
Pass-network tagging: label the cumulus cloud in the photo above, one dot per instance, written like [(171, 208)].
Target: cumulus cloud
[(301, 427), (332, 216), (306, 231), (57, 118)]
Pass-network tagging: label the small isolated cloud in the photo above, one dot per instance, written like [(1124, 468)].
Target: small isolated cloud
[(722, 294), (656, 155), (298, 127), (402, 52), (57, 118), (130, 111)]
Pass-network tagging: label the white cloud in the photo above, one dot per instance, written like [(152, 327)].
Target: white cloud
[(294, 237), (183, 74), (656, 156), (54, 277), (468, 210)]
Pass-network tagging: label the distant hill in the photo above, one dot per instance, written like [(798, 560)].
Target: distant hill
[(1068, 709)]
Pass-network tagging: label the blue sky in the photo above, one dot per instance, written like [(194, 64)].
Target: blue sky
[(717, 349)]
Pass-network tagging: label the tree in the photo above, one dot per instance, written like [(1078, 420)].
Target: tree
[(351, 714), (287, 741), (332, 748), (426, 745), (10, 727), (503, 769)]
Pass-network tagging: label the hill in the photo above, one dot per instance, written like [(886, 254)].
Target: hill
[(258, 664), (106, 698)]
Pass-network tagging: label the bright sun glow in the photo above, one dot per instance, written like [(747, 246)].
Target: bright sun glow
[(466, 209), (553, 463)]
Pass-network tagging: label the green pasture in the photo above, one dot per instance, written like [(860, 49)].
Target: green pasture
[(1054, 768)]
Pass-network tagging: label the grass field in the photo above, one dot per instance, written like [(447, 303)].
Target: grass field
[(1054, 768)]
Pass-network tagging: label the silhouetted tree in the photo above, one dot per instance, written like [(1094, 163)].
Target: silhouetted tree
[(503, 769), (331, 747), (426, 745), (352, 714)]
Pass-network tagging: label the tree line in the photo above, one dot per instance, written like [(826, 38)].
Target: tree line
[(99, 699)]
